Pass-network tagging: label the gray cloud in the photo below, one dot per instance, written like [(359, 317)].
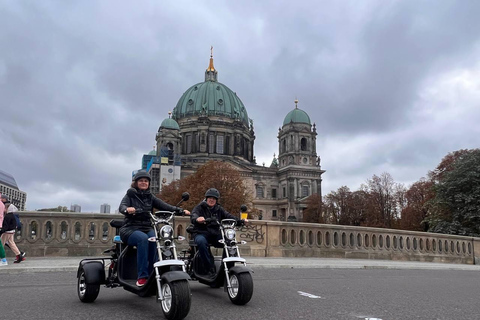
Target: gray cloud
[(84, 86)]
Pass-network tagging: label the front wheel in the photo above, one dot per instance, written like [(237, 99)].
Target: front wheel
[(241, 289), (86, 292), (176, 299)]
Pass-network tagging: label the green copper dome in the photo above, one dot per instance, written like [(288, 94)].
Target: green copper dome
[(169, 124), (297, 116), (210, 98)]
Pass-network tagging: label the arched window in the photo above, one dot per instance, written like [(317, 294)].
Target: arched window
[(305, 192)]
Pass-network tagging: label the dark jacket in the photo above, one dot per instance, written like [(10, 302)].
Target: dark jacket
[(203, 210), (9, 222), (144, 202)]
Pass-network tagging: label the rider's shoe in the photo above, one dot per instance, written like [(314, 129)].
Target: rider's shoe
[(141, 282), (3, 262), (22, 254), (18, 259)]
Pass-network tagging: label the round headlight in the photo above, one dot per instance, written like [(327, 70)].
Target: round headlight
[(166, 232), (230, 234)]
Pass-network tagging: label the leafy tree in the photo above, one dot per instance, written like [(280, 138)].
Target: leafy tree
[(313, 212), (214, 174), (383, 197), (457, 199), (416, 210), (337, 206)]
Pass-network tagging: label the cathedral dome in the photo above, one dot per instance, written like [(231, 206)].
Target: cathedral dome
[(297, 116), (210, 98), (169, 123)]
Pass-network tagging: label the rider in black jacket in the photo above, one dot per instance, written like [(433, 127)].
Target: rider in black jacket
[(208, 234), (136, 206)]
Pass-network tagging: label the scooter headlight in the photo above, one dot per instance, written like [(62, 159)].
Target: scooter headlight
[(230, 234), (166, 232)]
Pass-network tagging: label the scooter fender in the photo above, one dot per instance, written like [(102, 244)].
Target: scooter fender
[(239, 269), (172, 276), (94, 272)]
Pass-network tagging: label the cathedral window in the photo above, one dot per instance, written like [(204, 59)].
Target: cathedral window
[(274, 193), (304, 191), (274, 213), (284, 192), (220, 144), (189, 143), (211, 143), (259, 192), (227, 145), (303, 144)]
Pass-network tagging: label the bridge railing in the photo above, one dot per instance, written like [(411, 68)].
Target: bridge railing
[(89, 234)]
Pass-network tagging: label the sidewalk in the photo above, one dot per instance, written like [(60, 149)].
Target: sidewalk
[(52, 264)]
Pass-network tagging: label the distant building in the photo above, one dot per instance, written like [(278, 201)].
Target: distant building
[(105, 208), (8, 187), (75, 208), (210, 122)]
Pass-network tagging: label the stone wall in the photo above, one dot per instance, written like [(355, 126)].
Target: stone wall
[(89, 234)]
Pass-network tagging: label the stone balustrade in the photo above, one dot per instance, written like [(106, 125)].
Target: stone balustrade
[(89, 234)]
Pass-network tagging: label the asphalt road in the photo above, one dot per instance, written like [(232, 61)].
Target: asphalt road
[(278, 294)]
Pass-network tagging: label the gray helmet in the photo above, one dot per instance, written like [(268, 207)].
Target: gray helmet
[(141, 174), (212, 192)]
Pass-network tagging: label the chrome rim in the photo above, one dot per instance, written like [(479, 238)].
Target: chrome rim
[(233, 290), (81, 285), (167, 297)]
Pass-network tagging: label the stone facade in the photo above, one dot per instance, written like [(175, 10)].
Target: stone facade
[(211, 123)]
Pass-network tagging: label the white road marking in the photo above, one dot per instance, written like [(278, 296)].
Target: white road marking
[(312, 296)]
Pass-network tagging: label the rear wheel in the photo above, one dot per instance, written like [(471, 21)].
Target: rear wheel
[(241, 289), (176, 299), (86, 292)]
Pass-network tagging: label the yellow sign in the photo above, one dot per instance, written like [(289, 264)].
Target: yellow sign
[(164, 160)]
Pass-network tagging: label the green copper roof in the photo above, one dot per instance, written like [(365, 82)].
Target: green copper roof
[(210, 98), (169, 124), (297, 116), (152, 153)]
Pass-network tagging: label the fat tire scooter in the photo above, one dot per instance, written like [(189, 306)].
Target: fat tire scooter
[(168, 280), (231, 269)]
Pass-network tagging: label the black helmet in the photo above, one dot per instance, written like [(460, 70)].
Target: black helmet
[(142, 174), (212, 192)]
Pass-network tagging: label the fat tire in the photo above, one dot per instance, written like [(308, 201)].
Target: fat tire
[(86, 292), (180, 299), (242, 288)]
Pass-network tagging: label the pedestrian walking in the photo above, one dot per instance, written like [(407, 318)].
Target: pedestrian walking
[(9, 229), (3, 259)]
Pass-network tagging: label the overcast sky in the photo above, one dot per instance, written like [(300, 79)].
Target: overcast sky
[(392, 86)]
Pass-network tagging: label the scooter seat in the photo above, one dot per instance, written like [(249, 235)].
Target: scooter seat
[(116, 223)]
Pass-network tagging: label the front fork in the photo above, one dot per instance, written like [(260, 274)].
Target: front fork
[(159, 285)]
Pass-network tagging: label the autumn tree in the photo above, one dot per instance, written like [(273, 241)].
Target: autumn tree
[(214, 174), (313, 212), (337, 206), (457, 194), (416, 210), (383, 210)]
